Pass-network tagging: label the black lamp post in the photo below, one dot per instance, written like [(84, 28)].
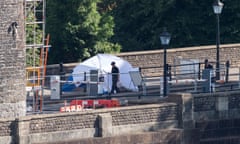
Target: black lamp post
[(217, 8), (165, 39)]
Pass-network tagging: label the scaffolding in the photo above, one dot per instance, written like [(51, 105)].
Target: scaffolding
[(37, 45)]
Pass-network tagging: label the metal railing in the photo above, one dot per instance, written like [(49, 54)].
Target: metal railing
[(98, 86)]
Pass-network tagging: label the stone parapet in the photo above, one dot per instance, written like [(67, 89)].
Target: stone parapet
[(173, 136), (184, 111), (151, 61), (155, 57), (90, 123), (205, 107)]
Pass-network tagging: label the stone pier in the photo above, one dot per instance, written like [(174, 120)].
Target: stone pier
[(12, 59)]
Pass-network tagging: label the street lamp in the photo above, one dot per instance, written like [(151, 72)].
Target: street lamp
[(165, 38), (217, 8)]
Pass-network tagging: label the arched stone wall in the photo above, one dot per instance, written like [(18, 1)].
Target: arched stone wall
[(12, 59)]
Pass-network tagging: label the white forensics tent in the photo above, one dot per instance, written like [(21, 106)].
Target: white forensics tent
[(102, 63)]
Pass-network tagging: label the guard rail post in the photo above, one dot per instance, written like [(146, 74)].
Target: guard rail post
[(227, 71), (62, 73), (199, 71), (140, 87), (85, 79), (169, 70)]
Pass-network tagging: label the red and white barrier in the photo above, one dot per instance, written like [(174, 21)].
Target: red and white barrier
[(79, 105)]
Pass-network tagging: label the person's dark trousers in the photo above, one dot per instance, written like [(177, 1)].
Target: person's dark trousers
[(114, 86)]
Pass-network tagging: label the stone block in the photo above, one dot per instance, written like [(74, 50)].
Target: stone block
[(222, 103), (105, 125), (23, 127)]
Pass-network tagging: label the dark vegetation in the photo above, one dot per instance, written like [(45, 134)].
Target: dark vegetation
[(83, 28)]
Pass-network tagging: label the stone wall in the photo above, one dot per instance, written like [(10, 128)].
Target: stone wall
[(8, 129), (215, 115), (89, 124), (12, 59), (209, 116), (207, 106), (151, 62), (173, 136), (155, 58)]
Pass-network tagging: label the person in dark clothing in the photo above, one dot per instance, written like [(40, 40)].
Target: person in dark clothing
[(115, 77), (207, 65)]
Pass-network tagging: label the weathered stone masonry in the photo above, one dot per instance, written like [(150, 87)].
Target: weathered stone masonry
[(12, 60), (194, 118), (154, 58), (89, 124)]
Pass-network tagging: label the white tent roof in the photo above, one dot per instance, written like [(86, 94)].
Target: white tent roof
[(102, 63)]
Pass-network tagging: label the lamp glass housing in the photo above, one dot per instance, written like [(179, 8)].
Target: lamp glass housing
[(165, 38), (217, 7)]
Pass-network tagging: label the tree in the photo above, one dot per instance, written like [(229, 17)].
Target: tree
[(191, 23), (79, 30), (139, 22)]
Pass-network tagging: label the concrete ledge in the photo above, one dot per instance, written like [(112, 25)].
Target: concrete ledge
[(6, 140), (147, 127), (171, 136), (61, 136)]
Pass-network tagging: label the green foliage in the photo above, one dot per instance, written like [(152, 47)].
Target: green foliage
[(138, 23), (191, 23), (33, 36), (80, 31)]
